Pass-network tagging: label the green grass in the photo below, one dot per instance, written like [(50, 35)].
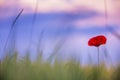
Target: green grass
[(12, 68)]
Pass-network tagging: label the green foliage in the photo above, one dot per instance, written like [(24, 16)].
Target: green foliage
[(12, 68), (116, 73)]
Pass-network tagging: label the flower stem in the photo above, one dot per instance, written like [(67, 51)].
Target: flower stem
[(98, 57)]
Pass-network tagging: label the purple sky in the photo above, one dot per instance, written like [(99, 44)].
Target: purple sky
[(74, 25)]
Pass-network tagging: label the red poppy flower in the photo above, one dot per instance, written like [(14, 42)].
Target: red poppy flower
[(97, 41)]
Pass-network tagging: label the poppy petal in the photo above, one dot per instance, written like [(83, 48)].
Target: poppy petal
[(97, 41)]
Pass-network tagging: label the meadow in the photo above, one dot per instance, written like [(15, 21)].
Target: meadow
[(14, 68)]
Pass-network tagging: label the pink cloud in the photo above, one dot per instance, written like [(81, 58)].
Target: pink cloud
[(12, 7)]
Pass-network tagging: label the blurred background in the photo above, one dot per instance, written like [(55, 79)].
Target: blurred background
[(48, 39), (64, 26)]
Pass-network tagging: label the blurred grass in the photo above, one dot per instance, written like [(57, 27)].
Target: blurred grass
[(12, 68)]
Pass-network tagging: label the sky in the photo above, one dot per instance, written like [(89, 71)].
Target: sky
[(69, 23)]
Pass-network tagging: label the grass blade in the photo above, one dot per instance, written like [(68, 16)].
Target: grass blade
[(10, 32)]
